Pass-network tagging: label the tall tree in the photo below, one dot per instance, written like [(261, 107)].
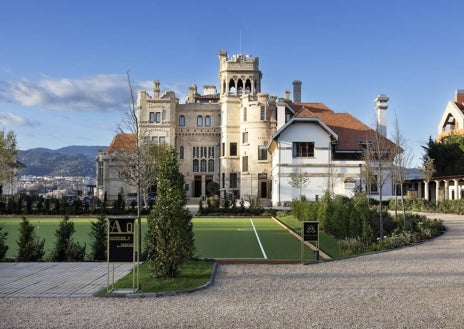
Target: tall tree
[(8, 167), (170, 240)]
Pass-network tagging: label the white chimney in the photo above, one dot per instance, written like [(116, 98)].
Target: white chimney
[(381, 113)]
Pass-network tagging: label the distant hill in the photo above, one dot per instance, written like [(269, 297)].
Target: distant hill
[(66, 161)]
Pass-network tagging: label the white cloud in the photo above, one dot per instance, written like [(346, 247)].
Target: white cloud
[(94, 93), (8, 119)]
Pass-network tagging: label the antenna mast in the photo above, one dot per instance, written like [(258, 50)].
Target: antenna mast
[(240, 49)]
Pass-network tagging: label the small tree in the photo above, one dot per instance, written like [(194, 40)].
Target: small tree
[(65, 248), (3, 246), (169, 238), (98, 235), (299, 180), (30, 248)]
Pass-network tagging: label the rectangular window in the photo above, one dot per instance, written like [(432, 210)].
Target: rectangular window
[(233, 180), (262, 152), (223, 180), (233, 149), (245, 114), (162, 139), (245, 137), (181, 121), (223, 149), (152, 117), (158, 117), (245, 164), (262, 116), (303, 149)]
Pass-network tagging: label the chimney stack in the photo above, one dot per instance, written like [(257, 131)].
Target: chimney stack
[(156, 89), (459, 98), (287, 95), (297, 91), (381, 113)]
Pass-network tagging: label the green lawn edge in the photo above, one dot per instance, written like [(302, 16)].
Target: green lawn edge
[(195, 274)]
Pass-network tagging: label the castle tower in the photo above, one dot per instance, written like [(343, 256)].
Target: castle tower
[(239, 80)]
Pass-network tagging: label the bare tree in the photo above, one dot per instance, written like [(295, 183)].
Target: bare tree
[(402, 161), (136, 159), (378, 156)]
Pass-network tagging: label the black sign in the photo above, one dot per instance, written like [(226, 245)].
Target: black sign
[(121, 239), (310, 231)]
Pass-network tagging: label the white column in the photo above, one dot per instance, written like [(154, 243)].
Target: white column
[(446, 193), (437, 190), (457, 189), (426, 190)]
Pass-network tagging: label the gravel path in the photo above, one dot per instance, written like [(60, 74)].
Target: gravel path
[(416, 287)]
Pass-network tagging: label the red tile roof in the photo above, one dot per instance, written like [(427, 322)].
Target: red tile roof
[(120, 142), (351, 132)]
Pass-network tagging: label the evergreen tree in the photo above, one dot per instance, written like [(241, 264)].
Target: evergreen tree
[(65, 248), (99, 235), (169, 238), (30, 248), (3, 246)]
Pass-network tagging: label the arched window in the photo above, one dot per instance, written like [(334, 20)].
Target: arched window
[(181, 120), (203, 165), (210, 165), (240, 86), (181, 152), (207, 121), (195, 165), (248, 86), (199, 121)]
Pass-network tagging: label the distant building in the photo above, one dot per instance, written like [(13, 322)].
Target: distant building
[(249, 142)]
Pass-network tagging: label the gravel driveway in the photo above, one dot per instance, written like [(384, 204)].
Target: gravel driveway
[(416, 287)]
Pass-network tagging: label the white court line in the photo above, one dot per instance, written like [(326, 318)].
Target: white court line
[(259, 241)]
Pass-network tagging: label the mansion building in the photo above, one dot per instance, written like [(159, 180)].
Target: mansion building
[(249, 142)]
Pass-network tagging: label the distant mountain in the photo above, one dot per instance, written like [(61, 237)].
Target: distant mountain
[(66, 161)]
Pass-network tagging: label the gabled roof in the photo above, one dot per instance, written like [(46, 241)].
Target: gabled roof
[(350, 132), (125, 142)]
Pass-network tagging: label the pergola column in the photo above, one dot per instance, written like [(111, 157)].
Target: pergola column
[(437, 190), (457, 189), (446, 194), (426, 190)]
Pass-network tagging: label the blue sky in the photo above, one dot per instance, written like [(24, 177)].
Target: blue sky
[(63, 63)]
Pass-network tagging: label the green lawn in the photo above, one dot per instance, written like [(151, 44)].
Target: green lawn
[(214, 237)]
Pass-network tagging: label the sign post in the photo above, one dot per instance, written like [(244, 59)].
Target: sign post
[(310, 232), (122, 247)]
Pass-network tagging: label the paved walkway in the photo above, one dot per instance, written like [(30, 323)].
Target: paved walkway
[(56, 279)]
